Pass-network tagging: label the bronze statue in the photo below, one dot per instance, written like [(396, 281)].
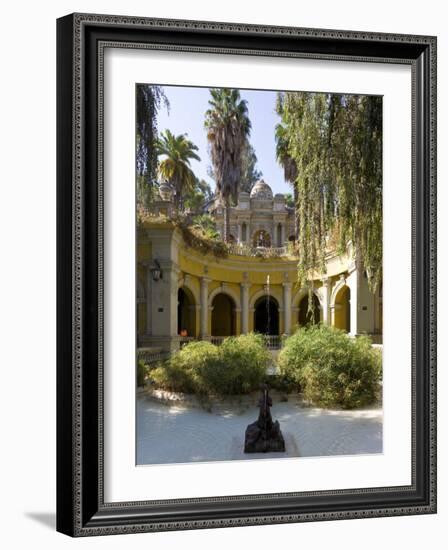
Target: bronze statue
[(264, 435)]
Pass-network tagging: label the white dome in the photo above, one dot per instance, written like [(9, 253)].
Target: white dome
[(261, 191)]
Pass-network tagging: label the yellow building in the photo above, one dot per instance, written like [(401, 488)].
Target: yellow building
[(184, 294)]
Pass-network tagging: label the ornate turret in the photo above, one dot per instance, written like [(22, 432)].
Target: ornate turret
[(261, 191)]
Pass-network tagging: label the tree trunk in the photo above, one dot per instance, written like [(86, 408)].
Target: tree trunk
[(177, 195)]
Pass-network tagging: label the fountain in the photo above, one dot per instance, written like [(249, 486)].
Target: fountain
[(264, 435)]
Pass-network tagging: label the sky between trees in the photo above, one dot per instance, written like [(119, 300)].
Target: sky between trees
[(186, 115)]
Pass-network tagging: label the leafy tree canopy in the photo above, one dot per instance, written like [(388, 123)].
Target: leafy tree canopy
[(174, 167), (196, 199), (335, 144), (228, 128), (148, 102), (250, 174)]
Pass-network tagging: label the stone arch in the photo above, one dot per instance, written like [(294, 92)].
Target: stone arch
[(262, 237), (267, 315), (186, 312), (298, 305), (305, 316), (340, 305), (185, 283), (274, 292), (300, 294), (224, 289), (223, 315), (337, 287)]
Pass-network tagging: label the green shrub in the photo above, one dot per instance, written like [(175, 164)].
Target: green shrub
[(242, 366), (330, 368), (182, 372), (142, 371), (238, 366)]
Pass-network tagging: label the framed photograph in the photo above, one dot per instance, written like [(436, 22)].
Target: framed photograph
[(246, 274)]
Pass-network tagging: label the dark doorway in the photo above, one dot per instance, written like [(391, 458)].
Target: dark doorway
[(223, 316), (309, 316), (262, 239), (266, 318), (186, 313)]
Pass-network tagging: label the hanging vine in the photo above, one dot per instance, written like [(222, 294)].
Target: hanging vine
[(335, 142)]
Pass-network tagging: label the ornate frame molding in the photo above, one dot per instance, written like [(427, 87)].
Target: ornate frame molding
[(81, 41)]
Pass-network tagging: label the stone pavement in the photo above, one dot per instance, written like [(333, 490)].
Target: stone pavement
[(177, 434)]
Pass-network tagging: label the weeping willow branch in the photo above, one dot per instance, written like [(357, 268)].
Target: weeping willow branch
[(335, 141)]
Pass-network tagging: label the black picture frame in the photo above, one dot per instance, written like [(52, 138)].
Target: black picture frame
[(81, 510)]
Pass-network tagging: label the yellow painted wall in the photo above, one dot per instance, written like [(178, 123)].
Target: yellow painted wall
[(340, 312), (230, 272)]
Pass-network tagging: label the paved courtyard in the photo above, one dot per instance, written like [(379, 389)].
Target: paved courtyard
[(177, 433)]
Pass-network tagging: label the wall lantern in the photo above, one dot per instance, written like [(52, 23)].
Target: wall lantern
[(156, 271)]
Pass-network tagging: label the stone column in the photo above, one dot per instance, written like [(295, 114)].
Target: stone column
[(172, 275), (287, 307), (204, 306), (326, 296), (164, 299), (245, 307), (148, 290), (362, 302), (352, 283), (239, 232), (283, 235)]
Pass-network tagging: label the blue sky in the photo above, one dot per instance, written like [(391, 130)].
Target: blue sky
[(187, 109)]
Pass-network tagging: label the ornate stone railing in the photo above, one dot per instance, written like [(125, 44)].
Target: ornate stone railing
[(216, 340), (273, 342), (184, 340), (260, 251), (152, 355)]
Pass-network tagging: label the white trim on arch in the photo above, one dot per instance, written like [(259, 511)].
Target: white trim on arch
[(262, 292), (298, 297), (184, 283), (335, 291), (224, 289)]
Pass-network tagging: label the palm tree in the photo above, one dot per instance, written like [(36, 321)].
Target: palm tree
[(228, 129), (148, 102), (175, 167)]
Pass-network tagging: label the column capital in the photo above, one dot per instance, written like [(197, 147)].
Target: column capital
[(205, 281), (287, 285), (245, 284), (185, 279)]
